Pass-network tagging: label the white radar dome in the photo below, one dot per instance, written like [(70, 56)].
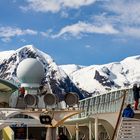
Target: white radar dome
[(30, 71)]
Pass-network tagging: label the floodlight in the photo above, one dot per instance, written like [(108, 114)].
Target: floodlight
[(50, 99), (71, 99), (31, 100)]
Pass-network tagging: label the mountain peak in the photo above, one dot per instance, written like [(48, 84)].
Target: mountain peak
[(31, 47), (59, 81), (85, 80), (111, 76)]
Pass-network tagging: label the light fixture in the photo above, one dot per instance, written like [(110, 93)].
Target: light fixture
[(30, 100), (50, 99), (71, 99), (46, 118)]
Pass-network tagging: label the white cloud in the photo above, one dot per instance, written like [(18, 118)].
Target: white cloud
[(42, 5), (121, 17), (88, 46), (124, 15), (131, 31), (23, 40), (120, 39), (76, 3), (126, 10), (47, 33), (54, 5), (6, 33), (82, 28), (64, 14), (6, 39)]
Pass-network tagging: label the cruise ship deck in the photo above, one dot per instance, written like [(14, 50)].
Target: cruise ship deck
[(95, 118)]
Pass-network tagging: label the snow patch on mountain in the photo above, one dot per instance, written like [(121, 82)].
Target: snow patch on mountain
[(132, 68), (112, 76), (70, 68), (5, 54), (88, 79)]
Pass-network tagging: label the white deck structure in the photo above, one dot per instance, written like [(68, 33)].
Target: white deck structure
[(100, 118)]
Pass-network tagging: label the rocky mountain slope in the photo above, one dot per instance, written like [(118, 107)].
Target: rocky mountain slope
[(101, 78), (59, 81), (85, 80)]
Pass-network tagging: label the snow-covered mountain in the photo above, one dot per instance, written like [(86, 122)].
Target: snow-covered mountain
[(70, 68), (101, 78), (85, 80), (59, 81)]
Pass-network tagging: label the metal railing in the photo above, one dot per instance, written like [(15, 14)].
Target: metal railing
[(105, 103)]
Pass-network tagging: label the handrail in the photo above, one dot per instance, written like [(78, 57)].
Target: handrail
[(120, 113), (101, 107), (112, 100), (91, 105), (106, 93)]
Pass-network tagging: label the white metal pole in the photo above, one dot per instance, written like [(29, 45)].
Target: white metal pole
[(48, 133), (96, 128), (90, 130), (51, 133), (77, 131)]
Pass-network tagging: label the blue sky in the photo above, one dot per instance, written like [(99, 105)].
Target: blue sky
[(83, 32)]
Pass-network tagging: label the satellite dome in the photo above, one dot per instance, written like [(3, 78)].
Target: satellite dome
[(30, 71)]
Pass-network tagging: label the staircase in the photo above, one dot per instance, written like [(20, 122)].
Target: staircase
[(129, 129)]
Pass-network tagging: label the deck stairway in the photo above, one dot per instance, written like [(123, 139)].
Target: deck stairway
[(129, 129)]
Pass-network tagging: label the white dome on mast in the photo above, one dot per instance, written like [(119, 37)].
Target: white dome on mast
[(30, 72)]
